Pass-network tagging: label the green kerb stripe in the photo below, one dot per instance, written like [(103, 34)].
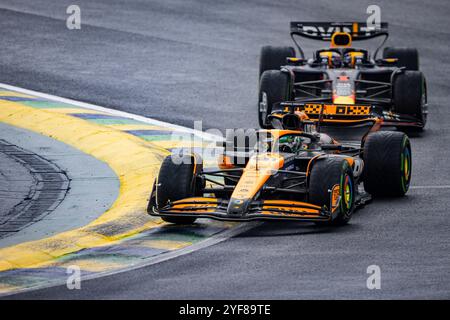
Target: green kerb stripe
[(46, 104)]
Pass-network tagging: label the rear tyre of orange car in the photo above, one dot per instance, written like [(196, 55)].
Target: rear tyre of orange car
[(274, 88), (325, 175), (407, 57), (387, 163), (272, 58), (176, 181)]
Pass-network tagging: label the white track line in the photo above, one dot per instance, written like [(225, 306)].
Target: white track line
[(118, 113)]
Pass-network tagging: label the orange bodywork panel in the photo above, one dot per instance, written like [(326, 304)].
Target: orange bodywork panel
[(335, 197), (278, 204), (258, 170), (208, 204), (344, 99), (224, 162), (194, 199)]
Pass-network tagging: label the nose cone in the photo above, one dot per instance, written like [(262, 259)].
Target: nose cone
[(258, 170), (238, 206)]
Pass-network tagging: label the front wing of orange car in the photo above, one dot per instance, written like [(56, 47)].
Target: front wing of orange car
[(217, 209)]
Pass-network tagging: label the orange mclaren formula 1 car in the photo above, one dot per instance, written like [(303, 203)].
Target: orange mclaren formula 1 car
[(391, 88), (294, 173)]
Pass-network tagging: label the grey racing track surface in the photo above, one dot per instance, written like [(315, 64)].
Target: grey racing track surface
[(186, 60)]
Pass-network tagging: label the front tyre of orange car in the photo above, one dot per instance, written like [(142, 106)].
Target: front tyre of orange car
[(328, 174), (177, 181)]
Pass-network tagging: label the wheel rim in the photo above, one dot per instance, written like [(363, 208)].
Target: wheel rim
[(347, 193), (406, 167)]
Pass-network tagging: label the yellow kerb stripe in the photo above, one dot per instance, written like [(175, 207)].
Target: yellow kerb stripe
[(133, 160)]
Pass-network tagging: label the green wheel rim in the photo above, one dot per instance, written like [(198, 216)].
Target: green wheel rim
[(346, 192), (405, 166)]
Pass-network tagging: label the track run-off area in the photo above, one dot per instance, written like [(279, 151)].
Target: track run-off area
[(184, 61), (124, 237)]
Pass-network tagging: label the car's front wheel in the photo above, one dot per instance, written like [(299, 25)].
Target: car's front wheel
[(176, 181), (272, 58), (274, 88), (333, 174)]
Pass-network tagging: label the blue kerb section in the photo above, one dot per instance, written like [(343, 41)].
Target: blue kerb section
[(19, 98)]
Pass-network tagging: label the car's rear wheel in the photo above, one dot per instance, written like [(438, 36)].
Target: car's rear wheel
[(176, 181), (410, 96), (407, 57), (387, 163), (272, 58), (274, 88), (326, 174)]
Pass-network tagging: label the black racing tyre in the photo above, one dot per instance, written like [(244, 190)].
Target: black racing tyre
[(387, 163), (274, 88), (409, 93), (407, 57), (325, 174), (176, 181), (272, 58)]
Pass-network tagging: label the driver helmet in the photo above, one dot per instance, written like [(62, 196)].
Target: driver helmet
[(293, 144), (353, 58), (331, 58)]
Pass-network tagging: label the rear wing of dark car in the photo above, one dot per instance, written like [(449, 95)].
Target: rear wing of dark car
[(324, 30)]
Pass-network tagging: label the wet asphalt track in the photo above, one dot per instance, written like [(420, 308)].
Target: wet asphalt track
[(181, 61)]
